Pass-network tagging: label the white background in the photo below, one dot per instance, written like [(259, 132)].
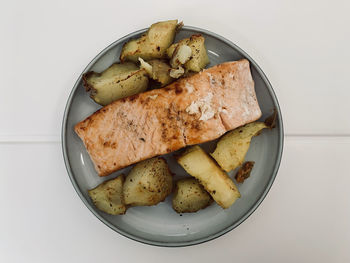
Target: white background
[(303, 47)]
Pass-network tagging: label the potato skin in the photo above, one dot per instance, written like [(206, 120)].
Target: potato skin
[(148, 183), (108, 196), (189, 196), (116, 82), (199, 58), (153, 44), (215, 181), (233, 146)]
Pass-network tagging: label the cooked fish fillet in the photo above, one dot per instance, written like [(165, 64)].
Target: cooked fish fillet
[(193, 110)]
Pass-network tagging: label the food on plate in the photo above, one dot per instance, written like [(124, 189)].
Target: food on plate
[(146, 66), (199, 57), (198, 163), (190, 196), (157, 70), (185, 105), (189, 111), (177, 72), (108, 196), (153, 44), (116, 82), (232, 148), (244, 172), (181, 55), (148, 183), (161, 72), (270, 121)]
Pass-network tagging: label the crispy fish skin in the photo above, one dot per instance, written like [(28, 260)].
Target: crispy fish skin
[(189, 111)]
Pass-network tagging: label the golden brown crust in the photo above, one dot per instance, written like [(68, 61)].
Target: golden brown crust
[(244, 172), (272, 119)]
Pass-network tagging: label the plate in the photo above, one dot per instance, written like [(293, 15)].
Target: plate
[(160, 225)]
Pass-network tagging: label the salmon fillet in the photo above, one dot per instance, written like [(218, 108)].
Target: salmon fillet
[(192, 110)]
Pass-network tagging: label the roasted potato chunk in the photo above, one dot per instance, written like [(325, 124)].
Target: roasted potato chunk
[(233, 146), (146, 66), (157, 70), (170, 51), (190, 196), (177, 73), (153, 44), (161, 72), (198, 164), (116, 82), (148, 183), (199, 58), (108, 196), (181, 55)]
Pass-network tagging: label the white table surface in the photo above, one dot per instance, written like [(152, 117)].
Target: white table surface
[(303, 47)]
